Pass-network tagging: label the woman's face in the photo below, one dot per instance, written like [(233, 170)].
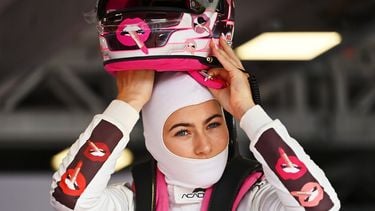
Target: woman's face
[(197, 131)]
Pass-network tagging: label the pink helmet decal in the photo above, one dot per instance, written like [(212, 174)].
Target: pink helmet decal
[(310, 195), (133, 32), (190, 46), (202, 24)]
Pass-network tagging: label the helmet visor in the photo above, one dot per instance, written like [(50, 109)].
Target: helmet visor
[(189, 6), (194, 6)]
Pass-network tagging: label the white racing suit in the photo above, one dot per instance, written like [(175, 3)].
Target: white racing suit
[(292, 181)]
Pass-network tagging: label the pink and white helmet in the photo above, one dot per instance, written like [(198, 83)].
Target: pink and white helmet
[(163, 35)]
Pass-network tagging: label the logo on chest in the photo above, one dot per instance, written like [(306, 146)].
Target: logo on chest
[(187, 196)]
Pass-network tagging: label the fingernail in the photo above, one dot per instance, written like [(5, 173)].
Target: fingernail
[(213, 40), (223, 36)]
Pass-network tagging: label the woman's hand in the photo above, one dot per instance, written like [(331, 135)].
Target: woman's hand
[(135, 87), (236, 98)]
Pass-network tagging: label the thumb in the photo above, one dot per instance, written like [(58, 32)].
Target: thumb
[(220, 73)]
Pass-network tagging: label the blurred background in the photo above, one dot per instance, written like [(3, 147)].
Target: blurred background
[(52, 83)]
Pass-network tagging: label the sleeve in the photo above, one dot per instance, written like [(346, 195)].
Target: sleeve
[(292, 180), (81, 181)]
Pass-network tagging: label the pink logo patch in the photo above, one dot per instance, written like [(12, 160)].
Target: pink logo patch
[(310, 195), (289, 167), (133, 31)]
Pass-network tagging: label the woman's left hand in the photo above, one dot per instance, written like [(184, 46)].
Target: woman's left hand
[(236, 97), (135, 87)]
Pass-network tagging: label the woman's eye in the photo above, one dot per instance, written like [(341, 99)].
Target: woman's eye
[(182, 133), (213, 125)]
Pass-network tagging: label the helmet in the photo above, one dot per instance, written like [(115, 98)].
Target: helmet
[(163, 35)]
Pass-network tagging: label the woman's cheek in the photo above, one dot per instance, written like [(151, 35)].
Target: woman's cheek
[(220, 137)]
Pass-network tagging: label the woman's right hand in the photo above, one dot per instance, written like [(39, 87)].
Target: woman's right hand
[(236, 98), (135, 87)]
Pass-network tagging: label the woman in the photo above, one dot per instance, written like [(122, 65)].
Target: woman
[(186, 133)]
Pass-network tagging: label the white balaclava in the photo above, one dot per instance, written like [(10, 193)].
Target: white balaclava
[(172, 91)]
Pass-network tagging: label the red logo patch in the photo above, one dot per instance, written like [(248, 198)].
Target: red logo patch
[(73, 182), (97, 151)]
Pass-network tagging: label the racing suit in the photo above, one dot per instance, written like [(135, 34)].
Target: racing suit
[(292, 181)]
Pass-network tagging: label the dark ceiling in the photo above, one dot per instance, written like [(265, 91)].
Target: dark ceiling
[(35, 31)]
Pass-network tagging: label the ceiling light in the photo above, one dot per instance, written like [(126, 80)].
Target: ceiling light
[(125, 159), (288, 45)]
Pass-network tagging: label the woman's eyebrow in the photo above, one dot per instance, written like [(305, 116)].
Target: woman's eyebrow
[(183, 124), (180, 125), (212, 117)]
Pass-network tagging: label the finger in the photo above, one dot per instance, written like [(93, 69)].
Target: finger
[(228, 50), (223, 58), (222, 54), (217, 51), (227, 62), (218, 72), (221, 74)]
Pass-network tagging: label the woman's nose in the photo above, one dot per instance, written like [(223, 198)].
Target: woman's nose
[(203, 146)]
